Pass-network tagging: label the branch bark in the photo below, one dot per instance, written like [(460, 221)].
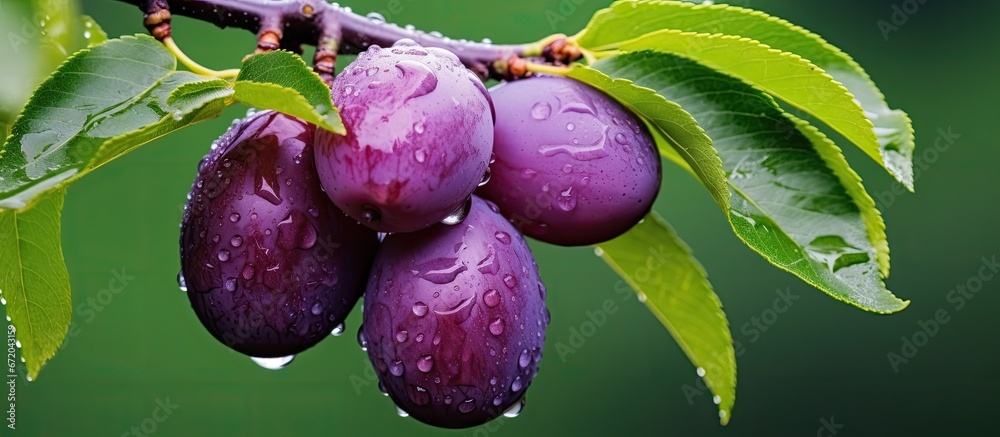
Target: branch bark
[(333, 29)]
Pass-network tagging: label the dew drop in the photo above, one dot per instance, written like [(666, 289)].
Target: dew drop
[(317, 309), (528, 173), (371, 214), (223, 255), (362, 341), (401, 336), (496, 328), (420, 155), (467, 406), (515, 410), (524, 360), (717, 400), (541, 111), (621, 139), (460, 214), (181, 282), (249, 272), (516, 385), (700, 372), (274, 363), (419, 338), (419, 395), (231, 284), (420, 309), (502, 237), (492, 298), (510, 281), (567, 200), (234, 217), (236, 241), (425, 363), (401, 412), (570, 126), (396, 368), (338, 330)]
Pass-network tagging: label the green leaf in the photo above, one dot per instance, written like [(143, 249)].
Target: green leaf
[(683, 137), (92, 32), (870, 214), (664, 273), (624, 21), (38, 48), (33, 279), (101, 103), (282, 81), (786, 203)]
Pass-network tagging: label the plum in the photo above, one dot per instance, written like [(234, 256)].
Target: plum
[(419, 138), (573, 167), (270, 265), (455, 318)]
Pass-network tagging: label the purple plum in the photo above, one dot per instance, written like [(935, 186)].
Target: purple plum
[(270, 265), (455, 318), (419, 138), (573, 166)]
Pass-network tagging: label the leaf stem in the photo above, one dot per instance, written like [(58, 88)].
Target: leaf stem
[(195, 67)]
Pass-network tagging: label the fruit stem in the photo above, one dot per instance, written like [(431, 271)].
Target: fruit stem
[(195, 67), (298, 22), (547, 69)]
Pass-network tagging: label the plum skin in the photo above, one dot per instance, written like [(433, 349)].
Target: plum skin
[(573, 167), (455, 318), (419, 138), (271, 266)]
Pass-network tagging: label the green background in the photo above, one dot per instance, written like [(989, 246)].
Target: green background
[(819, 362)]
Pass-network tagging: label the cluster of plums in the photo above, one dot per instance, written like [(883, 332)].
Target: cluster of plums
[(287, 226)]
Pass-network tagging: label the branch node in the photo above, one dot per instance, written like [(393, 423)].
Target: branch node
[(268, 41), (158, 24), (325, 59), (562, 51)]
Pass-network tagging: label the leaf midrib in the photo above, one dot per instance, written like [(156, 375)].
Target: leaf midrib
[(20, 273)]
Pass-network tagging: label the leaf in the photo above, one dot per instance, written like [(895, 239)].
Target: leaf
[(282, 81), (624, 21), (33, 279), (786, 204), (38, 48), (662, 270), (92, 32), (682, 134), (101, 103), (835, 160)]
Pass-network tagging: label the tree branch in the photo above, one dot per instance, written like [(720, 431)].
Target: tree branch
[(333, 29)]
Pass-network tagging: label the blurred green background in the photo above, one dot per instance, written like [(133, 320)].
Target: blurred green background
[(821, 368)]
